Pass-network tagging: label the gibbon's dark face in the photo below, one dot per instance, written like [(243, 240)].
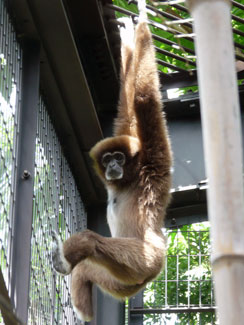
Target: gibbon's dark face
[(113, 163)]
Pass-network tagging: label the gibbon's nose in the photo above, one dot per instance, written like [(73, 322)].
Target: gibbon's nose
[(112, 163)]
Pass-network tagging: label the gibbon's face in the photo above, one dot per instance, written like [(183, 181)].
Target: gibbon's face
[(113, 163)]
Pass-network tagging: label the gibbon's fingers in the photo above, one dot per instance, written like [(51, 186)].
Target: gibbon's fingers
[(55, 236), (126, 31), (142, 11)]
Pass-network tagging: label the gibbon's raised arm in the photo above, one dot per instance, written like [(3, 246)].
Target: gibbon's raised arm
[(147, 98), (140, 104)]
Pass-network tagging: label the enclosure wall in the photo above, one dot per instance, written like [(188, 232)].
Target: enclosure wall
[(38, 192)]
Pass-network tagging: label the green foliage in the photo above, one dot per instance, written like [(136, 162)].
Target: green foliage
[(186, 280), (182, 42)]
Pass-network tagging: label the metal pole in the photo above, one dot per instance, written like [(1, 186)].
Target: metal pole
[(25, 180), (136, 302), (223, 152)]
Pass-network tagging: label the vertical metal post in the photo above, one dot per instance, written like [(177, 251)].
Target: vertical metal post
[(25, 179), (223, 152), (136, 302)]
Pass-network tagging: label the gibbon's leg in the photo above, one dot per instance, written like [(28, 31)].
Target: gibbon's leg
[(125, 123), (129, 260), (84, 275)]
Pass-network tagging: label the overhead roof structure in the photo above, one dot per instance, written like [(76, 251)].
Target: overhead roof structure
[(172, 29)]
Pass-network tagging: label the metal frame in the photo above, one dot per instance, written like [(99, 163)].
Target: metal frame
[(25, 179)]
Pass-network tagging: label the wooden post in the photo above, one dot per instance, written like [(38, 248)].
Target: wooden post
[(223, 152)]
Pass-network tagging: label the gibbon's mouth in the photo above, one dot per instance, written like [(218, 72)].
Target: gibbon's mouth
[(113, 174)]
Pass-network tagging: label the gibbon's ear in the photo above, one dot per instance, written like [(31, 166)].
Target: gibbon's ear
[(130, 146)]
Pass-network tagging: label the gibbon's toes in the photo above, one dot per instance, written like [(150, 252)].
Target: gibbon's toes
[(60, 263), (83, 316), (126, 28)]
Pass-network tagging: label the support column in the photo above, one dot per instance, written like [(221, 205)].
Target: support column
[(136, 302), (223, 152), (25, 180)]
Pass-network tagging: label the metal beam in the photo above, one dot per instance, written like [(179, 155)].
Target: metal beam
[(171, 310), (136, 303), (25, 179)]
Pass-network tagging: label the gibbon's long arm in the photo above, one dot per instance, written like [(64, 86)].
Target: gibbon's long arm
[(152, 130), (140, 104)]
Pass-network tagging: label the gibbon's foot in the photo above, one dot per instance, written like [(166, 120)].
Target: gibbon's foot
[(126, 29), (60, 263), (81, 290), (82, 316)]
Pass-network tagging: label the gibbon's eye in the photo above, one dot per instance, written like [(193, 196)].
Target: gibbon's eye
[(119, 157), (106, 159)]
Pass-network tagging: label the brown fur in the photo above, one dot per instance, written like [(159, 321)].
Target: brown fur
[(123, 264)]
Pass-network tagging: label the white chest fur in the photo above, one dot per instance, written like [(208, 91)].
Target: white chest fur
[(116, 212)]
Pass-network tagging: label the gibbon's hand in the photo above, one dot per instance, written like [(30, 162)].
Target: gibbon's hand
[(60, 264), (126, 29)]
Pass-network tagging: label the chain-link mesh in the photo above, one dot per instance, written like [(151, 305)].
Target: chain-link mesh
[(10, 76), (183, 293), (57, 206)]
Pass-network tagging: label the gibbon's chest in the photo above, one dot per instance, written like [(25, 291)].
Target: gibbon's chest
[(119, 211)]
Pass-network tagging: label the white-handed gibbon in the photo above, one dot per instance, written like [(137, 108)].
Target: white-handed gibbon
[(134, 166)]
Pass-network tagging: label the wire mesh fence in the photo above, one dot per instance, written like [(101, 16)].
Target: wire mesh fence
[(57, 206), (56, 203), (10, 97), (183, 292)]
